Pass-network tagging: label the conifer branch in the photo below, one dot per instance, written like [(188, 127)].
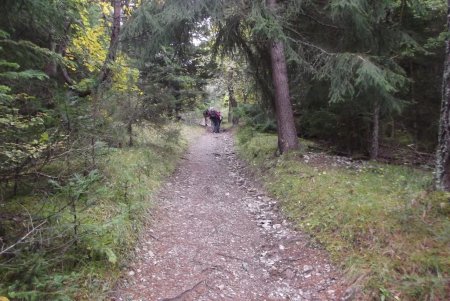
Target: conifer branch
[(320, 22)]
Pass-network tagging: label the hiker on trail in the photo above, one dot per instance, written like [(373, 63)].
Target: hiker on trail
[(215, 117), (205, 115)]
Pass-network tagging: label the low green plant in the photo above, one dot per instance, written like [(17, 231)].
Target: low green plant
[(90, 222), (376, 219)]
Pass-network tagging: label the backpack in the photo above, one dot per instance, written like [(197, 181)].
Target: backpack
[(213, 114)]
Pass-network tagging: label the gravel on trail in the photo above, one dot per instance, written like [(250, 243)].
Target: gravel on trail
[(216, 235)]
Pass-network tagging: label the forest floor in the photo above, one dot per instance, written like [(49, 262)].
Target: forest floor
[(216, 235)]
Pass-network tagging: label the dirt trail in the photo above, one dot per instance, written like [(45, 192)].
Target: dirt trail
[(216, 236)]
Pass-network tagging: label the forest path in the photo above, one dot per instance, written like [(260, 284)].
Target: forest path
[(216, 236)]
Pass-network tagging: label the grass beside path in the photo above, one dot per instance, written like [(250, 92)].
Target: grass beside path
[(80, 259), (379, 222)]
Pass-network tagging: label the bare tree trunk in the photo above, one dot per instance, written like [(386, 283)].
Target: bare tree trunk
[(287, 133), (113, 43), (95, 114), (62, 51), (130, 133), (375, 143), (416, 111), (51, 68), (16, 181), (75, 218), (232, 105), (443, 151)]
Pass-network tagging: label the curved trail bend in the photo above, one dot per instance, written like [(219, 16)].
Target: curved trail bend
[(216, 236)]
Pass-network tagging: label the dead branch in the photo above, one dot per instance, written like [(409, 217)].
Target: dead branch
[(33, 229), (182, 296), (231, 257)]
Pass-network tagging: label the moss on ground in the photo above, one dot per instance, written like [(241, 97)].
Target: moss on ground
[(379, 220)]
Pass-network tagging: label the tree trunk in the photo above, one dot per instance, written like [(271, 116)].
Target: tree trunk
[(95, 114), (416, 107), (51, 68), (287, 133), (375, 143), (105, 73), (62, 52), (443, 151), (130, 133), (232, 105), (75, 219), (245, 97)]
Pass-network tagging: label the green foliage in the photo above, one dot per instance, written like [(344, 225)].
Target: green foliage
[(351, 75), (88, 48), (257, 118), (107, 207), (63, 171), (360, 51), (24, 75), (174, 80), (23, 136), (376, 220), (155, 24), (343, 57)]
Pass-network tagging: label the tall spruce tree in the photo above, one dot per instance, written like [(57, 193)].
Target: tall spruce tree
[(362, 67), (287, 133)]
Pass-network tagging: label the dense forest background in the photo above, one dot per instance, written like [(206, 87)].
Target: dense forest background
[(91, 89)]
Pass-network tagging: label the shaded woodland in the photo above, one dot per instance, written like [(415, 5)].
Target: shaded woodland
[(88, 84)]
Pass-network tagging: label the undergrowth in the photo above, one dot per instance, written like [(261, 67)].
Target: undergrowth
[(381, 222), (82, 231)]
